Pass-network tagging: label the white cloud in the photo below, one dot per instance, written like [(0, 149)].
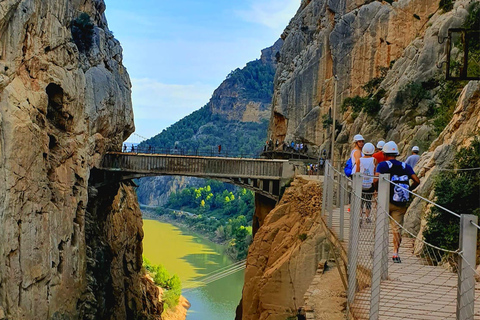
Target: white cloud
[(274, 14), (159, 104)]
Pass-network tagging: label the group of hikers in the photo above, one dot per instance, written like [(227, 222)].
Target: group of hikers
[(293, 146), (371, 162)]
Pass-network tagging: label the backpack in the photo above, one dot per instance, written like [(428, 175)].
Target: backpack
[(348, 168), (399, 196)]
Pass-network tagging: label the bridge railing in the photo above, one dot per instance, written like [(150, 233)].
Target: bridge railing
[(429, 283), (194, 166), (213, 152)]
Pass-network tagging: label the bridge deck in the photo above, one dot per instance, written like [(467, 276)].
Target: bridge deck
[(413, 290)]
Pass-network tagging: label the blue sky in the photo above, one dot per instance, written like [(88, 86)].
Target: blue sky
[(178, 52)]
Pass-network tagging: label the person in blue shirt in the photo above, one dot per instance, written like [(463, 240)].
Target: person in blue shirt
[(400, 175), (413, 159)]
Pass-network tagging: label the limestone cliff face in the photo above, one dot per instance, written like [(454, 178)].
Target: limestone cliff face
[(283, 258), (357, 41), (354, 40), (61, 108)]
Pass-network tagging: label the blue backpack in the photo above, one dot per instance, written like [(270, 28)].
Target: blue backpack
[(348, 168)]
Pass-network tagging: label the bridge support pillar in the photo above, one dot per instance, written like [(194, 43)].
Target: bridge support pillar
[(263, 205), (466, 265)]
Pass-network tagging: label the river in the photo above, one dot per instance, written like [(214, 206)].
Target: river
[(190, 257)]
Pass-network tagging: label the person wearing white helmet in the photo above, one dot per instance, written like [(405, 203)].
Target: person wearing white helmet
[(367, 165), (356, 154), (413, 159), (378, 152), (400, 174)]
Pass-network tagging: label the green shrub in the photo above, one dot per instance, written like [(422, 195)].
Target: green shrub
[(302, 236), (473, 19), (446, 5), (416, 16), (171, 285), (82, 32), (327, 121), (413, 93), (458, 191)]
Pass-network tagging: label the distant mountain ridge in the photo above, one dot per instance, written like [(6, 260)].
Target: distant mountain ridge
[(236, 117)]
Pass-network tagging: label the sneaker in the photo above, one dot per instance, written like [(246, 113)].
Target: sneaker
[(396, 259)]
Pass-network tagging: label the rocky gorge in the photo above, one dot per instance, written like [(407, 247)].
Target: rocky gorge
[(72, 251)]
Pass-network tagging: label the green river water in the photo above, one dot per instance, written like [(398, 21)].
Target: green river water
[(190, 257)]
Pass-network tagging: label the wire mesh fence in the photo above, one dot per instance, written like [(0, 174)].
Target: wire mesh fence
[(392, 271)]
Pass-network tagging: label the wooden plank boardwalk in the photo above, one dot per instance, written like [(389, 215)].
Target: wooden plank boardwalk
[(414, 289)]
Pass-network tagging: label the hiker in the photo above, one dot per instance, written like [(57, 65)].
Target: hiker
[(276, 144), (413, 159), (367, 165), (400, 174), (378, 155), (219, 148), (356, 154), (133, 148), (124, 148)]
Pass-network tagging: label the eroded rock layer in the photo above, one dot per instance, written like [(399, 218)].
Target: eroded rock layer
[(283, 258)]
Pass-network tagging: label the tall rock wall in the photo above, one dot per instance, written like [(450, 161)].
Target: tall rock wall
[(356, 41), (63, 104)]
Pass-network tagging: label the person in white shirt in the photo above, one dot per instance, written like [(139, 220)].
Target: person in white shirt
[(366, 167)]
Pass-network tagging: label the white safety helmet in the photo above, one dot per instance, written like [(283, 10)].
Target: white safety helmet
[(358, 137), (415, 148), (380, 144), (390, 148), (368, 149)]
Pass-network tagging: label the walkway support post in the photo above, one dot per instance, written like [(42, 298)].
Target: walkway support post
[(466, 265), (325, 191), (341, 195), (380, 255), (330, 186), (355, 212)]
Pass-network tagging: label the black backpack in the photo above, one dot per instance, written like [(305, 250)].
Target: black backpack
[(399, 175)]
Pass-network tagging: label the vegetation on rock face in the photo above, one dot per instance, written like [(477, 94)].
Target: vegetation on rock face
[(219, 211), (458, 191), (370, 103), (256, 79), (446, 5), (171, 284), (82, 32), (449, 92)]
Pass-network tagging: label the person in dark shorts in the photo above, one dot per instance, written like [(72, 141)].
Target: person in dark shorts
[(400, 174)]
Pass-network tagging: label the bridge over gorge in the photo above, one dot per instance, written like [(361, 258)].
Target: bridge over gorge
[(429, 283), (264, 176)]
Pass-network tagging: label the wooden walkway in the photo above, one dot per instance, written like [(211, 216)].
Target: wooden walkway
[(414, 290)]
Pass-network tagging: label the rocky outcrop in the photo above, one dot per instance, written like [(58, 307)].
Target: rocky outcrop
[(459, 133), (64, 101), (399, 45), (283, 258), (231, 101)]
